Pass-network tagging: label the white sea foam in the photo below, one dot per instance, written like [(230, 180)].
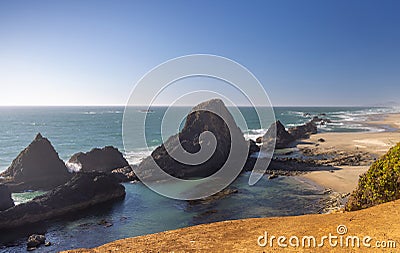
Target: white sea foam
[(135, 157), (90, 113), (73, 167), (294, 124), (116, 112), (102, 112), (253, 134)]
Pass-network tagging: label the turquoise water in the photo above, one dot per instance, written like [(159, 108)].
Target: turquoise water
[(143, 212), (23, 197), (74, 129)]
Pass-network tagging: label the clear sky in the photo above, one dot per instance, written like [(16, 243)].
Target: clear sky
[(303, 52)]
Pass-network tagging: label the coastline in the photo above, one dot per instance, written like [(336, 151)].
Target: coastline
[(242, 235), (228, 235), (344, 178)]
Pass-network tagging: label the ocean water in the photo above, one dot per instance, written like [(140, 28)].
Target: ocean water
[(75, 129)]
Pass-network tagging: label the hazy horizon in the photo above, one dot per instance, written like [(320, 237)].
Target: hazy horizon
[(165, 105)]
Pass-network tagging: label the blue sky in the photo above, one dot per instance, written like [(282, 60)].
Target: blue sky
[(303, 52)]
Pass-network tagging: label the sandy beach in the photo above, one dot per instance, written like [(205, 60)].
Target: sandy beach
[(344, 179)]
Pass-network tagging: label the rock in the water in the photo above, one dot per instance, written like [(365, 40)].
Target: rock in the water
[(211, 116), (303, 131), (38, 166), (321, 121), (82, 191), (5, 198), (217, 196), (35, 241), (124, 174), (283, 138), (105, 223), (106, 159)]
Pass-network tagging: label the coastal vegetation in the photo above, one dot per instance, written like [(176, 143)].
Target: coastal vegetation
[(380, 184)]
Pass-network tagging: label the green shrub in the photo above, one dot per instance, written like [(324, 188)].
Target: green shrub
[(380, 184)]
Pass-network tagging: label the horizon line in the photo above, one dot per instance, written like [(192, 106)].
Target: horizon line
[(166, 105)]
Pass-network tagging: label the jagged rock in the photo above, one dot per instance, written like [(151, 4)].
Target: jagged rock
[(283, 138), (105, 223), (303, 131), (82, 191), (5, 198), (124, 174), (38, 166), (35, 241), (321, 121), (203, 117), (103, 160), (273, 175)]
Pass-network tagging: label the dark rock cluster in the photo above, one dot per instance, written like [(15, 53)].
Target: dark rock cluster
[(286, 138), (82, 191), (38, 166)]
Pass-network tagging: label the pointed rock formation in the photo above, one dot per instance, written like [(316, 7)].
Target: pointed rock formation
[(283, 138), (286, 139), (38, 166), (211, 116)]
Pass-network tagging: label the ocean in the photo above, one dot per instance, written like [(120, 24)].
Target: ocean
[(75, 129)]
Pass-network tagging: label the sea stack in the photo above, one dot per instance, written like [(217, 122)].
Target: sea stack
[(105, 159), (38, 166), (211, 116), (286, 138), (278, 132)]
